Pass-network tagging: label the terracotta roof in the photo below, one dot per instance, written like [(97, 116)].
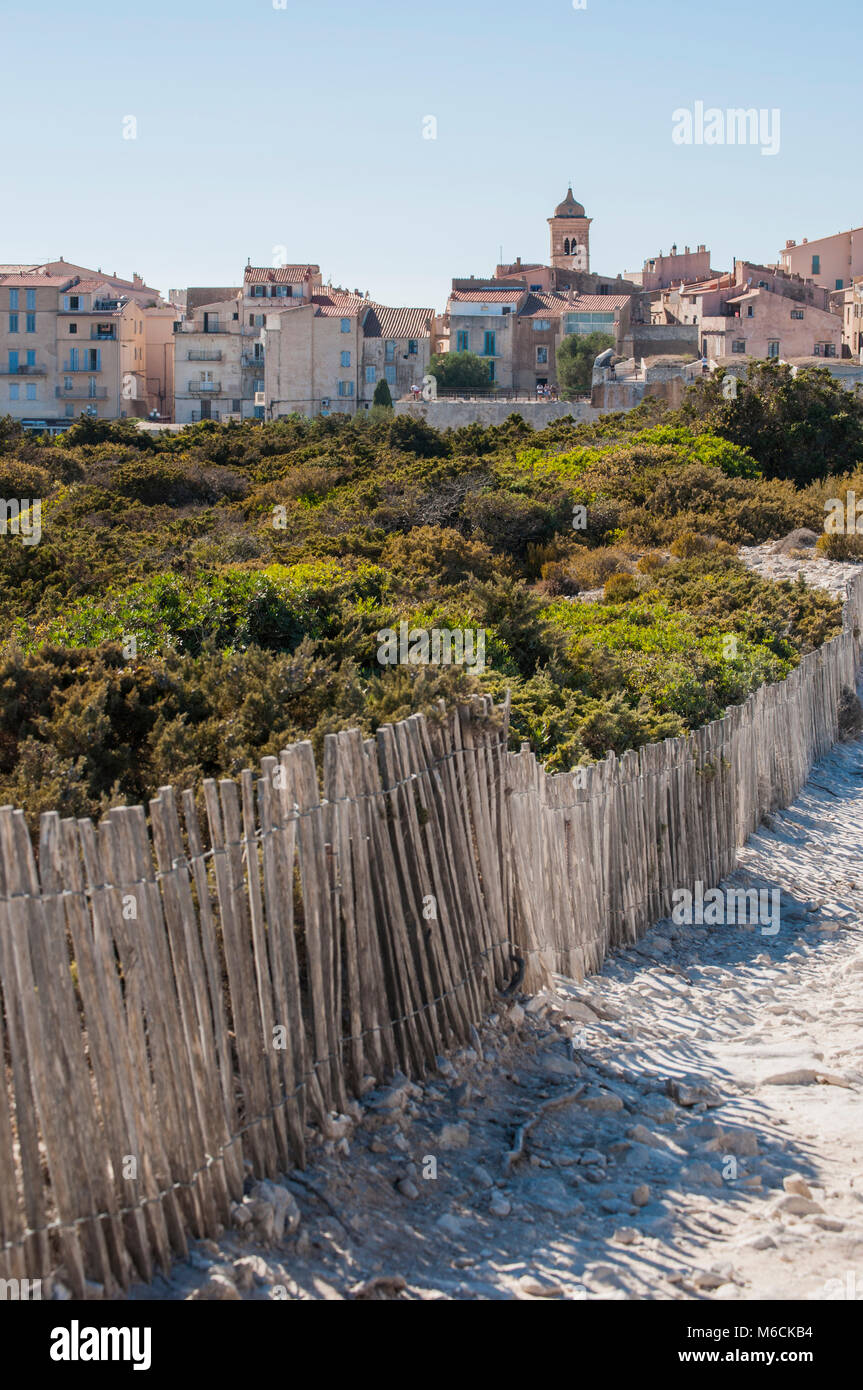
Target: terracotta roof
[(596, 303), (34, 280), (336, 304), (381, 322), (491, 295), (87, 286), (279, 275)]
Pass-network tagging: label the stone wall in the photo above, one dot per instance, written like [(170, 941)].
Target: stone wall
[(447, 414)]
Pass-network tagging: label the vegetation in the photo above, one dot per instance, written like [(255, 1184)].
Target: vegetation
[(383, 395), (575, 358), (203, 598), (460, 371)]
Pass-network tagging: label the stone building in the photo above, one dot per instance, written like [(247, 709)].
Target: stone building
[(569, 230), (327, 354)]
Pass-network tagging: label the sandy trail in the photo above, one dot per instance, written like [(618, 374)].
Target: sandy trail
[(674, 1167)]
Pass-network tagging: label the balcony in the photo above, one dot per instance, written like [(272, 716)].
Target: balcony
[(204, 388), (249, 360), (69, 370), (79, 393), (101, 335), (204, 355), (22, 371)]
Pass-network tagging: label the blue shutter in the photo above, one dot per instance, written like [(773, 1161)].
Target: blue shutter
[(13, 361), (98, 359)]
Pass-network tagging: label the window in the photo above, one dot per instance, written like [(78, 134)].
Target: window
[(491, 375), (236, 406), (371, 376), (346, 359), (68, 383), (73, 328), (280, 292), (750, 311), (346, 388), (13, 323), (773, 347), (542, 357), (14, 391), (346, 325), (31, 357), (816, 265), (259, 291), (13, 360), (412, 347), (30, 296), (73, 302), (390, 374), (738, 345), (462, 338), (93, 359), (541, 325), (797, 313), (70, 411), (31, 391), (825, 350), (390, 350), (13, 299), (259, 320), (488, 349), (535, 287), (30, 323), (73, 359), (838, 285)]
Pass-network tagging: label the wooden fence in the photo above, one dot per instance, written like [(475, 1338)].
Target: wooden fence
[(185, 995)]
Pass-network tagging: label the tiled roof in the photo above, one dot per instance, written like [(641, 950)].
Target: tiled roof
[(18, 269), (490, 294), (279, 275), (86, 286), (336, 304), (36, 281), (381, 322), (596, 303)]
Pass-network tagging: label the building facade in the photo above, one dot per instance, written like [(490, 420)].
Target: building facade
[(833, 262), (68, 347)]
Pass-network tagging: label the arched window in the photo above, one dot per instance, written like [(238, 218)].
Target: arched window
[(566, 247)]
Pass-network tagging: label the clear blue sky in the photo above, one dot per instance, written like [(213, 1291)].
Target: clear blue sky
[(302, 127)]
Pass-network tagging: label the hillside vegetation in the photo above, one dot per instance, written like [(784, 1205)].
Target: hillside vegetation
[(200, 599)]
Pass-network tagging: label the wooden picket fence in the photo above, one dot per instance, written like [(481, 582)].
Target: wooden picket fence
[(183, 996)]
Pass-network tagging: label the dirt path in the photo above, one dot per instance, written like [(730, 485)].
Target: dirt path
[(672, 1167)]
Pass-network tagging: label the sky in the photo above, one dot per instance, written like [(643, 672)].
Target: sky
[(277, 130)]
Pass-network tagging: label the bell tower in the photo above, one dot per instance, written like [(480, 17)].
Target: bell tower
[(570, 235)]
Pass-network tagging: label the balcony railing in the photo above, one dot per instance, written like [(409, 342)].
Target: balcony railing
[(103, 337), (204, 388), (204, 355), (22, 371), (68, 369), (249, 360), (78, 393)]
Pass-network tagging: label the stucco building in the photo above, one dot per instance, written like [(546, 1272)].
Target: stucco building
[(69, 346), (833, 262)]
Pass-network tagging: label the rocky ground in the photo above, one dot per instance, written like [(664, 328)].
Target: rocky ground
[(687, 1124)]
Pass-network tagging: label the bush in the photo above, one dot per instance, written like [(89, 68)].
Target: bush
[(689, 543), (836, 545), (619, 588), (593, 567)]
